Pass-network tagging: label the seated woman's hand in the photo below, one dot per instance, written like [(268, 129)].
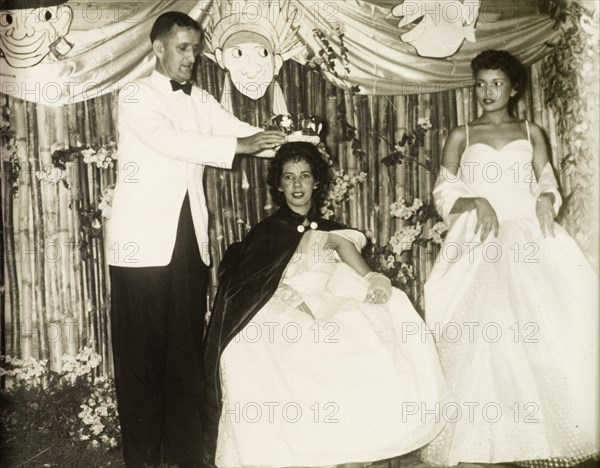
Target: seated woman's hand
[(487, 220), (544, 210), (379, 289)]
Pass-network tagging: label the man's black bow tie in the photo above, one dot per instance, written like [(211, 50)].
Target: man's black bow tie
[(186, 87)]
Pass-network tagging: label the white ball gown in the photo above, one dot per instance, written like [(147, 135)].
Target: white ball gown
[(516, 323), (343, 387)]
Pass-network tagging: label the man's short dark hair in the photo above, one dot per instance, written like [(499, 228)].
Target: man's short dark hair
[(163, 24)]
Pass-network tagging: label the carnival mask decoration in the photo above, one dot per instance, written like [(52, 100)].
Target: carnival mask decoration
[(30, 30), (443, 26), (251, 47), (249, 59)]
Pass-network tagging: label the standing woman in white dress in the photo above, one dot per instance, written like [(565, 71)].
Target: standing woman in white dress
[(511, 300)]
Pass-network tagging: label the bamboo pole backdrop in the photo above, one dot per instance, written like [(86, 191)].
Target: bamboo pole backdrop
[(57, 293)]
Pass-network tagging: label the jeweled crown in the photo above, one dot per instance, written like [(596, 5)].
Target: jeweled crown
[(297, 127)]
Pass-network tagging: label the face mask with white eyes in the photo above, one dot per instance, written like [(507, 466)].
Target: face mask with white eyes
[(250, 62)]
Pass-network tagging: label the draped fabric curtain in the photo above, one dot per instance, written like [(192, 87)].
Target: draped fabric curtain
[(379, 62), (57, 289), (111, 46)]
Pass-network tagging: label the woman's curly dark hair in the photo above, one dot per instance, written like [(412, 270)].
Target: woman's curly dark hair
[(300, 151), (509, 64)]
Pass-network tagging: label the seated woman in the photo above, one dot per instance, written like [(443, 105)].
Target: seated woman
[(312, 359)]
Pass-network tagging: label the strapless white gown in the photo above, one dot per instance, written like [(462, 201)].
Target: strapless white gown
[(516, 323)]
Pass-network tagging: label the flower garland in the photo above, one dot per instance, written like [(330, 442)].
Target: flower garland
[(437, 233), (394, 259), (101, 156), (340, 190), (418, 214)]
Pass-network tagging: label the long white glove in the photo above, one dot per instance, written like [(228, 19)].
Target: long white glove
[(547, 184), (379, 289)]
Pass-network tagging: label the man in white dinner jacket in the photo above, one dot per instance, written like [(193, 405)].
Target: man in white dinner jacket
[(157, 245)]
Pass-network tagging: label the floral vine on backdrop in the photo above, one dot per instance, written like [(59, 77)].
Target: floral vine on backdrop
[(350, 134), (8, 147), (394, 259), (340, 190), (569, 73), (327, 58), (100, 156), (414, 139)]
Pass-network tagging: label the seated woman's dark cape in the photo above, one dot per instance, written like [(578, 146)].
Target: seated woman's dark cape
[(249, 274)]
